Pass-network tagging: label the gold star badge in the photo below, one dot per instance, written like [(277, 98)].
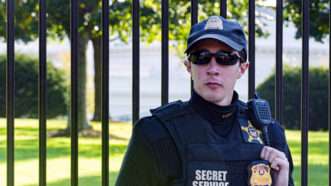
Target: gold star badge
[(251, 133)]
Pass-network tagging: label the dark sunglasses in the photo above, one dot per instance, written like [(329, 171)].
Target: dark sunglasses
[(203, 57)]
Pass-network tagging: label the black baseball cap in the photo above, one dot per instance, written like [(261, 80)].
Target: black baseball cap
[(220, 29)]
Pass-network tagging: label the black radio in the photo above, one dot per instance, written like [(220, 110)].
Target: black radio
[(260, 115)]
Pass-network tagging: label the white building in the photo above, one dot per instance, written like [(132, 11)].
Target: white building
[(179, 80)]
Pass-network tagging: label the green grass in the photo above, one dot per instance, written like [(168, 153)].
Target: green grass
[(58, 154), (317, 156)]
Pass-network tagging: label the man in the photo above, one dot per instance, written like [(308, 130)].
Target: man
[(209, 140)]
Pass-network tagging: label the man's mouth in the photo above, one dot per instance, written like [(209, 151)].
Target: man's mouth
[(213, 85)]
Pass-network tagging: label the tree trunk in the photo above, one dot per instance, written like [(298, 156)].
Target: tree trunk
[(81, 89), (97, 78)]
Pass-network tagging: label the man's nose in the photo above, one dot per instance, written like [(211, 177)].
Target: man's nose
[(213, 67)]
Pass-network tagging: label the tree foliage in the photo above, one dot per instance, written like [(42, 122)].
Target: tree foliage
[(26, 88), (58, 18), (319, 16)]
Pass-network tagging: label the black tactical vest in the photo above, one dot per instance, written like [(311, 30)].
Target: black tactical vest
[(207, 158)]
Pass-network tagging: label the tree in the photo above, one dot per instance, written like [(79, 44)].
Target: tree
[(26, 88), (319, 10), (120, 28), (318, 97)]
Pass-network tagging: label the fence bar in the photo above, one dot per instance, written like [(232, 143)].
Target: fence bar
[(105, 92), (165, 53), (42, 93), (194, 11), (329, 102), (10, 93), (135, 60), (194, 19), (74, 92), (279, 61), (251, 48), (223, 8), (305, 92)]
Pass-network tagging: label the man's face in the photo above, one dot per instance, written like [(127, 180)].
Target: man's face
[(212, 81)]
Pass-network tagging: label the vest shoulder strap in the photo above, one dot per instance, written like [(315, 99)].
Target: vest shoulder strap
[(166, 115), (169, 111), (243, 109)]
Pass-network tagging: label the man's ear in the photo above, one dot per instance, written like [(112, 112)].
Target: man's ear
[(242, 69), (188, 65)]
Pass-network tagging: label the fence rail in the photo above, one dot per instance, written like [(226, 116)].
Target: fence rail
[(10, 84), (74, 39), (305, 92), (42, 92), (105, 93), (329, 113)]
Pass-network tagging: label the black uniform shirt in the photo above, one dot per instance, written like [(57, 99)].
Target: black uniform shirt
[(152, 158), (222, 118)]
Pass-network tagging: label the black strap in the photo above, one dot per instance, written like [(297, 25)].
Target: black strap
[(165, 115)]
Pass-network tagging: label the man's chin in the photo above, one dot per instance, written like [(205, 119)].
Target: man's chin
[(214, 98)]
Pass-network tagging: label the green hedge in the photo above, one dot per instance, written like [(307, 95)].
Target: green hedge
[(318, 98), (26, 88)]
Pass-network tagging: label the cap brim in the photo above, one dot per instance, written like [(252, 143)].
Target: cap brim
[(217, 37)]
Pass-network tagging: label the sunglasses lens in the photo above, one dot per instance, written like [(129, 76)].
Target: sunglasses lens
[(200, 57), (226, 58), (204, 57)]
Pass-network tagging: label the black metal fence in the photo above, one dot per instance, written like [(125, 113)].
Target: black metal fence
[(135, 59)]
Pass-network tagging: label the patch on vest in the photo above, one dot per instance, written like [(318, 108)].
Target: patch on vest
[(210, 178), (251, 134), (260, 175)]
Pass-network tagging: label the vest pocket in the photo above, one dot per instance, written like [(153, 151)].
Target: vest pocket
[(178, 182), (220, 164)]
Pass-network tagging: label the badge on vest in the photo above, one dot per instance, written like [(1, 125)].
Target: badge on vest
[(251, 134), (259, 174)]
